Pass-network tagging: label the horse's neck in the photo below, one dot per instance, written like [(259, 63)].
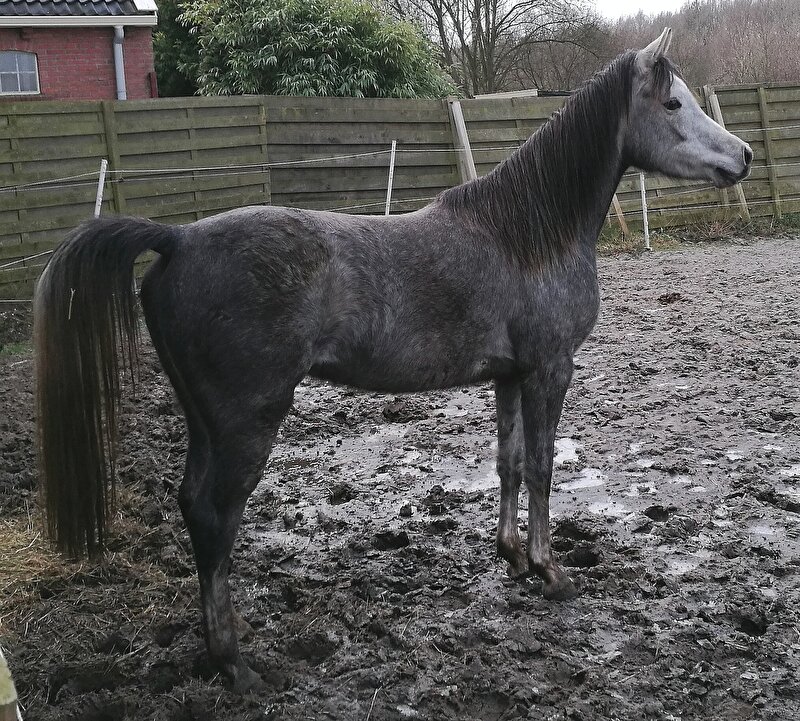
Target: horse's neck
[(574, 167), (564, 177)]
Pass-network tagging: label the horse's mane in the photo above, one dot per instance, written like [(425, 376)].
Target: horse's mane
[(537, 202)]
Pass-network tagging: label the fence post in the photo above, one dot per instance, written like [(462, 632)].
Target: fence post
[(391, 178), (101, 182), (769, 155), (645, 222), (466, 163), (620, 216), (112, 146), (707, 90), (262, 132), (8, 694), (744, 211)]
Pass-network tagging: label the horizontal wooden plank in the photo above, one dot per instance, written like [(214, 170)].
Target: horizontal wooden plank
[(357, 179), (62, 108), (335, 105), (95, 148), (14, 251), (154, 185), (155, 146), (129, 125), (43, 197), (151, 105), (61, 220), (358, 133), (368, 202), (531, 109), (737, 115), (41, 128), (358, 156), (344, 114), (15, 275), (155, 209), (737, 96)]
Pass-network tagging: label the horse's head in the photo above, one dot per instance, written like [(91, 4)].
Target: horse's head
[(668, 131)]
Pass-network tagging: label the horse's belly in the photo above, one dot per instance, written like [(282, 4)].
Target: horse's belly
[(403, 374)]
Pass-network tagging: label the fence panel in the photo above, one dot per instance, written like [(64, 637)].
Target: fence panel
[(181, 159)]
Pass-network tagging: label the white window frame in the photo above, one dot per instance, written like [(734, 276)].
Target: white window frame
[(16, 54)]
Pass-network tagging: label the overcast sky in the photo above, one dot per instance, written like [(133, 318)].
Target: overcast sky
[(617, 8)]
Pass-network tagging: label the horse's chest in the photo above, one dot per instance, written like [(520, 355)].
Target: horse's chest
[(565, 312)]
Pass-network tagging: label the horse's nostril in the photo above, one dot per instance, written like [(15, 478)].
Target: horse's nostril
[(748, 155)]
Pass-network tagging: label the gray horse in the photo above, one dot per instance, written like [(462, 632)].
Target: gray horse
[(495, 279)]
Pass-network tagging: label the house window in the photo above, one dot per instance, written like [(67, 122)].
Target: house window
[(19, 73)]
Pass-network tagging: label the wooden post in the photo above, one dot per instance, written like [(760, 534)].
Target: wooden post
[(768, 153), (193, 159), (101, 183), (707, 91), (466, 163), (716, 111), (645, 221), (262, 132), (112, 146), (620, 216), (8, 694), (391, 178)]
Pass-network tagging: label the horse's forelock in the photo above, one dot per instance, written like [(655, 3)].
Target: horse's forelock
[(664, 72)]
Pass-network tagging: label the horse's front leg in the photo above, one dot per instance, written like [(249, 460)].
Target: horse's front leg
[(510, 460), (542, 399)]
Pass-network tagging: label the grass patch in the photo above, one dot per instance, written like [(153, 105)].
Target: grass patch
[(612, 242), (12, 349), (720, 229)]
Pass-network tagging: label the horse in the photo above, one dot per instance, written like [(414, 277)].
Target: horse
[(495, 280)]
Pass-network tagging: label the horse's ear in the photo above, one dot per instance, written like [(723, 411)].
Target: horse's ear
[(647, 57)]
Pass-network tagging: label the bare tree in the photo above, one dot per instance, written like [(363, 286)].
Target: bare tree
[(483, 41), (565, 63), (725, 41)]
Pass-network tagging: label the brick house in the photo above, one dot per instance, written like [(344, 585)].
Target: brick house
[(77, 49)]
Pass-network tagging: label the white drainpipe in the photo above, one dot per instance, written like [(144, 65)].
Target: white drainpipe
[(119, 62)]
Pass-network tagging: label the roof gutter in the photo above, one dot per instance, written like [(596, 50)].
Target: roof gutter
[(119, 62), (22, 21)]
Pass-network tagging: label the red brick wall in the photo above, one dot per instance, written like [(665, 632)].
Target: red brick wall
[(78, 63)]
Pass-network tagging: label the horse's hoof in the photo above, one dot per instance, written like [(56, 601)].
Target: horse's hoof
[(560, 589), (245, 681)]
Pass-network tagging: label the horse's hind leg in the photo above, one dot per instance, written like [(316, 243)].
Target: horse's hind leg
[(232, 424), (220, 475), (510, 461)]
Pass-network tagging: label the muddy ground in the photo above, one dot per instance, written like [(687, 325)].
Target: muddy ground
[(366, 564)]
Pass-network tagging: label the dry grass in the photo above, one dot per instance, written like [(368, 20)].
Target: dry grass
[(26, 560), (41, 589)]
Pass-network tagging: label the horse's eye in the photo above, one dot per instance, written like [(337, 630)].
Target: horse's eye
[(672, 104)]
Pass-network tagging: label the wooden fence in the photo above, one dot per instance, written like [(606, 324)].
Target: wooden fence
[(180, 159)]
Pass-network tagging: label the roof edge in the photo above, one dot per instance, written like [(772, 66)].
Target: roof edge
[(66, 21)]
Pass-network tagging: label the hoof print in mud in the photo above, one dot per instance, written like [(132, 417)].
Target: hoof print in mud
[(583, 557), (313, 647), (390, 540), (659, 513), (441, 525), (341, 493)]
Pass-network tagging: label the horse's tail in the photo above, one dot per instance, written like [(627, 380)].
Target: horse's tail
[(85, 334)]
